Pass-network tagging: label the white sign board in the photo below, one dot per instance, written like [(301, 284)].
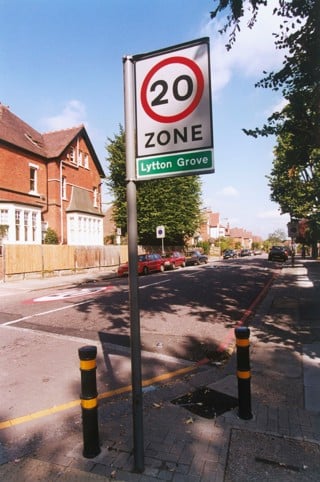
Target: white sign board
[(160, 232), (173, 110)]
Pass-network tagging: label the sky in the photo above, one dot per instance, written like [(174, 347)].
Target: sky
[(61, 65)]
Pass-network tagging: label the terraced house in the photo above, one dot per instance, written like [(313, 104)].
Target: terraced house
[(48, 180)]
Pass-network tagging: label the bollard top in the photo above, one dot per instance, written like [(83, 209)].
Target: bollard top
[(242, 332), (87, 352)]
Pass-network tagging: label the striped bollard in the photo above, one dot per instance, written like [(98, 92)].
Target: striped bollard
[(89, 401), (243, 372)]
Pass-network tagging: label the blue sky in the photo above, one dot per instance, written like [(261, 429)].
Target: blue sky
[(61, 65)]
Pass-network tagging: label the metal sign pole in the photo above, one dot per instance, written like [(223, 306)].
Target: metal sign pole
[(137, 401)]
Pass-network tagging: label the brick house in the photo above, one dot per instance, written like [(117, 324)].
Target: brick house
[(211, 226), (48, 180), (242, 236)]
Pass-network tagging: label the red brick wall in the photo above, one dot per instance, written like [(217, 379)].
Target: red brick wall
[(15, 177), (15, 182), (75, 175)]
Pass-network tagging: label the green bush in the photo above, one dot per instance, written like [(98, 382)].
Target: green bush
[(51, 237)]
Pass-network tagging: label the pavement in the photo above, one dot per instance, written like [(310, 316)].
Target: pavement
[(281, 442)]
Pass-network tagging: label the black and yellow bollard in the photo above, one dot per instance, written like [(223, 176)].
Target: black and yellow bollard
[(243, 372), (89, 401)]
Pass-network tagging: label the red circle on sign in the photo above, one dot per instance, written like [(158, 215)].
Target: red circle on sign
[(177, 117)]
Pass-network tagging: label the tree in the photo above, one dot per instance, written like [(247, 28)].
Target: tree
[(172, 202), (277, 237), (294, 179)]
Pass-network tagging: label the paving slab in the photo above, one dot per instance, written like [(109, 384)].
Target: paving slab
[(262, 457)]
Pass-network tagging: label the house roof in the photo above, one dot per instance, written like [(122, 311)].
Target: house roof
[(240, 233), (18, 133), (214, 219), (57, 141), (81, 202), (50, 145)]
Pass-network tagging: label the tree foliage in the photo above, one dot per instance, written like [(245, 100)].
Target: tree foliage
[(277, 237), (51, 237), (294, 179), (171, 202)]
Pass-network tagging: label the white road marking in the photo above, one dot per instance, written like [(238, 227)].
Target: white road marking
[(43, 313), (24, 318)]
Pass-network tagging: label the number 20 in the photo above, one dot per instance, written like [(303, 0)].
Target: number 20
[(161, 99)]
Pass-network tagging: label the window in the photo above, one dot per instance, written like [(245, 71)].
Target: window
[(18, 221), (34, 226), (95, 197), (86, 161), (25, 224), (72, 155), (33, 179), (64, 188), (84, 230), (80, 157), (4, 216)]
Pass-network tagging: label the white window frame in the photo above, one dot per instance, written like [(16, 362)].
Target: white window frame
[(24, 223), (86, 161), (33, 168), (4, 216), (84, 229), (80, 157), (64, 188), (72, 155), (95, 197)]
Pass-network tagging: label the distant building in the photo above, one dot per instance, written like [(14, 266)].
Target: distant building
[(242, 236), (48, 180), (212, 226)]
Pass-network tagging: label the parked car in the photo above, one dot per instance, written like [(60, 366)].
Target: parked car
[(257, 252), (278, 253), (174, 260), (195, 257), (146, 263), (229, 253), (245, 252)]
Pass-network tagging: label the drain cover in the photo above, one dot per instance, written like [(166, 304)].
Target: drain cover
[(206, 403)]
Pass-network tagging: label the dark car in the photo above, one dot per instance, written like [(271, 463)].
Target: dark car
[(195, 257), (174, 260), (278, 253), (229, 253), (146, 264), (245, 252)]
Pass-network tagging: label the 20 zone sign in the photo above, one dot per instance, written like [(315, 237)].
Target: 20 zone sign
[(173, 100), (183, 95)]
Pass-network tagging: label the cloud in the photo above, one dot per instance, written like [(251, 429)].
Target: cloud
[(73, 114), (228, 191), (271, 214), (252, 53), (277, 107)]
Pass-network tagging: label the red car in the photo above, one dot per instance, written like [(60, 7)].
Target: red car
[(146, 264), (174, 260)]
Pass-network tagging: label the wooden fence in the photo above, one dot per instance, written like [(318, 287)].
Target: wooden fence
[(21, 261)]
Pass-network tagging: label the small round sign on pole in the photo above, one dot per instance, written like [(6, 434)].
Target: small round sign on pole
[(160, 233)]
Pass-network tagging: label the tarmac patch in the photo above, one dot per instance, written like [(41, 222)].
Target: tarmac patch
[(257, 456), (206, 403), (285, 302), (5, 317)]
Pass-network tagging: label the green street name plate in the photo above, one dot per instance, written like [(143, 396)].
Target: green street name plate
[(183, 164)]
